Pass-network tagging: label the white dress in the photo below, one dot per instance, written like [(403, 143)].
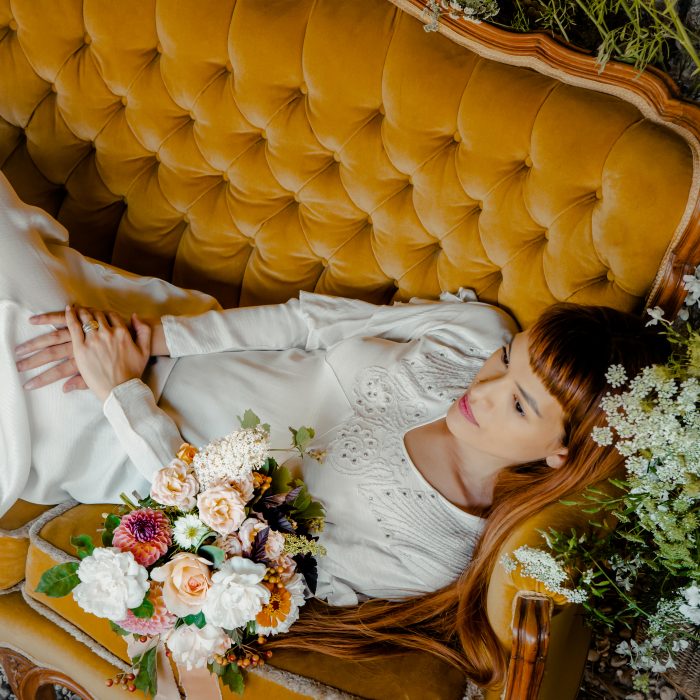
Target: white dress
[(361, 375)]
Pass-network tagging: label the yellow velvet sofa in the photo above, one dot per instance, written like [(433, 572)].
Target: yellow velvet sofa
[(253, 148)]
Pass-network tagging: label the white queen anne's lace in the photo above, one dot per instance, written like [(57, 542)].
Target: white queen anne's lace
[(231, 458)]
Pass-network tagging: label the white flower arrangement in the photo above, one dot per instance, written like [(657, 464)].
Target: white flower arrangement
[(646, 569)]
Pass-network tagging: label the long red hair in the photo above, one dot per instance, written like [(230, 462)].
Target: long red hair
[(571, 348)]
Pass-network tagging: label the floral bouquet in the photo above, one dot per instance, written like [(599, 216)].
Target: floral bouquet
[(218, 557), (637, 572)]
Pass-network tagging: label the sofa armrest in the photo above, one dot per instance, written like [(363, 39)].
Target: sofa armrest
[(532, 618)]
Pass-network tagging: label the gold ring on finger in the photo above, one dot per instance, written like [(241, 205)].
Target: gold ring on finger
[(90, 326)]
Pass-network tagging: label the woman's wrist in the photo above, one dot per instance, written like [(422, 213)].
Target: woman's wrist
[(159, 348)]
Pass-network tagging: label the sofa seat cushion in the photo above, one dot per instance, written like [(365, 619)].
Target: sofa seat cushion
[(410, 676), (14, 541)]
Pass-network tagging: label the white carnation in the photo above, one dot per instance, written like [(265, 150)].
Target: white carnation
[(194, 647), (111, 582), (231, 458), (236, 595)]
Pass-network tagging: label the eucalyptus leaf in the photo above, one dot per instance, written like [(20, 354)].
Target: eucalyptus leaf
[(216, 554), (233, 678), (197, 620), (147, 676)]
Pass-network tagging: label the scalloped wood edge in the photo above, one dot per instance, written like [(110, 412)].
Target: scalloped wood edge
[(531, 631), (652, 91), (31, 682)]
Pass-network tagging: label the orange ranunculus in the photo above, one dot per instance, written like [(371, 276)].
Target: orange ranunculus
[(186, 452)]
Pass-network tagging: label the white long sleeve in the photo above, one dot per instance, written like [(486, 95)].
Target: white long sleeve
[(147, 433), (312, 322)]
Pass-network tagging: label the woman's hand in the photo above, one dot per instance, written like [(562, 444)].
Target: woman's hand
[(57, 347), (105, 353)]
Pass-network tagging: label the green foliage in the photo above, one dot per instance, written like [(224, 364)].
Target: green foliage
[(83, 545), (117, 629), (145, 610), (111, 524), (231, 676), (215, 554), (59, 580), (147, 674), (197, 620), (251, 420)]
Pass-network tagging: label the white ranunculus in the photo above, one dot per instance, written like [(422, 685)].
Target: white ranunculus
[(194, 647), (111, 582), (691, 613), (236, 595)]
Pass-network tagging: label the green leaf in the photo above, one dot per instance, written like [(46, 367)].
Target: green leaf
[(249, 420), (216, 554), (111, 524), (233, 678), (251, 627), (117, 629), (302, 437), (145, 610), (280, 480), (83, 545), (147, 676), (197, 620), (59, 580)]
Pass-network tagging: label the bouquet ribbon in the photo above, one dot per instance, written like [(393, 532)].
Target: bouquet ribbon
[(197, 683)]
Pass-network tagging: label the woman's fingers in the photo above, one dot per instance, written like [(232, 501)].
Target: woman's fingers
[(52, 318), (74, 327), (116, 319), (44, 341), (76, 382), (64, 369), (100, 317), (143, 334), (43, 357)]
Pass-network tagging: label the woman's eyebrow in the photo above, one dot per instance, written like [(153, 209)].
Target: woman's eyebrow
[(529, 399)]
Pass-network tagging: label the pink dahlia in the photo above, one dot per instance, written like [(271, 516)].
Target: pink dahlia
[(161, 621), (145, 533)]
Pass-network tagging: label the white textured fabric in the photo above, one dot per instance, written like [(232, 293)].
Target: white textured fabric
[(361, 375)]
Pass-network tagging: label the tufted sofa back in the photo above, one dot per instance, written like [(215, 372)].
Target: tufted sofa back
[(252, 148)]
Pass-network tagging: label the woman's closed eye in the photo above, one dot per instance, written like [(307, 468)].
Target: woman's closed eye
[(518, 406), (504, 356)]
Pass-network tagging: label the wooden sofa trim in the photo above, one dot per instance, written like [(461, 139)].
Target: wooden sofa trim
[(531, 631), (652, 91), (30, 682)]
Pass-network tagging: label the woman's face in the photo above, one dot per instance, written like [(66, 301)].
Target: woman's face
[(507, 415)]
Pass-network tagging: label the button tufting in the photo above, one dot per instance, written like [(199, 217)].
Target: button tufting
[(546, 234), (54, 89), (336, 157), (457, 137), (263, 135), (599, 193), (87, 39), (157, 157), (610, 276), (528, 162), (251, 242), (410, 180), (480, 205), (229, 67), (369, 219), (381, 110), (224, 177), (303, 89), (124, 100), (12, 24), (159, 47), (191, 115), (324, 262), (296, 197)]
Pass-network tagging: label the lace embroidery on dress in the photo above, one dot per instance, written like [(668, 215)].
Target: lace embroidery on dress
[(423, 529)]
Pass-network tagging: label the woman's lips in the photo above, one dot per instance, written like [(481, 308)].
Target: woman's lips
[(466, 409)]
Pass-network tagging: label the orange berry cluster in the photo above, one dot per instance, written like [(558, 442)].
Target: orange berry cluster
[(124, 680), (273, 576)]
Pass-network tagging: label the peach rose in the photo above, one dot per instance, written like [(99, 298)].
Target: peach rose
[(186, 581), (187, 452), (221, 508), (175, 485), (274, 547)]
